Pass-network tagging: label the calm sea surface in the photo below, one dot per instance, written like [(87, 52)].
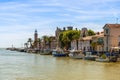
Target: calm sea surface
[(24, 66)]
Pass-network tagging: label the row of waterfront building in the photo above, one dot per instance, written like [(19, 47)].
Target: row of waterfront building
[(101, 41)]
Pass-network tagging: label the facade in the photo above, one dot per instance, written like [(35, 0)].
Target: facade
[(102, 41), (85, 43), (57, 33), (98, 41), (89, 43), (53, 43), (111, 36)]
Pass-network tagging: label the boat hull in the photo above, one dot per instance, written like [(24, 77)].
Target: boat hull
[(58, 54), (76, 56), (102, 60), (90, 58)]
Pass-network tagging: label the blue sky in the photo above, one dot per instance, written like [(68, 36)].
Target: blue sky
[(20, 18)]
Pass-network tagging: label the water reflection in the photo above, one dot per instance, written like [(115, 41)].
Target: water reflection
[(23, 66)]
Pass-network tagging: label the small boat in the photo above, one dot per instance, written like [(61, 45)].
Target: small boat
[(59, 53), (102, 60), (76, 54), (89, 56), (45, 52)]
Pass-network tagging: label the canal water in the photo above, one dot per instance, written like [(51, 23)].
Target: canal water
[(26, 66)]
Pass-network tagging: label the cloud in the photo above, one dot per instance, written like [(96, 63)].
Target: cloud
[(19, 19)]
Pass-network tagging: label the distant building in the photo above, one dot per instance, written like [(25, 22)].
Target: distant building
[(97, 42), (57, 33), (85, 43), (111, 36)]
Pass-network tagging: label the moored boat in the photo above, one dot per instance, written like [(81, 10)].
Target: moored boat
[(76, 54), (58, 53), (102, 60), (45, 52), (89, 56)]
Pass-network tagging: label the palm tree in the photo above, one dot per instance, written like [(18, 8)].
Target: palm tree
[(45, 40), (39, 42), (50, 39), (26, 45), (30, 41), (94, 45)]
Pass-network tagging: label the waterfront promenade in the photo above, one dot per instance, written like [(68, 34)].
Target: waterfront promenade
[(23, 66)]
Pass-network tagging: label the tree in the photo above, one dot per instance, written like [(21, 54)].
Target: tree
[(50, 39), (30, 41), (66, 37), (91, 32), (45, 40), (76, 37), (39, 42), (94, 45), (26, 45)]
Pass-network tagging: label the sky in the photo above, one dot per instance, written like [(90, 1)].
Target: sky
[(20, 18)]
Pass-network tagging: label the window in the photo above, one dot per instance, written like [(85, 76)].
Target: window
[(107, 31), (119, 44)]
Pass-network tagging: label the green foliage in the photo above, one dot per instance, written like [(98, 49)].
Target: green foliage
[(94, 44), (100, 41), (66, 37), (91, 32), (45, 38)]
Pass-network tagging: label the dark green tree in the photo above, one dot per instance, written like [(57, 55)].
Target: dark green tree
[(91, 32), (66, 37), (45, 40), (39, 42)]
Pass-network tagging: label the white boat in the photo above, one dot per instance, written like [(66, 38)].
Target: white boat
[(77, 54), (89, 56), (46, 52), (102, 60)]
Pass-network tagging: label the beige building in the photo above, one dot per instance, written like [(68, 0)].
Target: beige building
[(88, 43), (98, 41), (85, 43), (111, 36)]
